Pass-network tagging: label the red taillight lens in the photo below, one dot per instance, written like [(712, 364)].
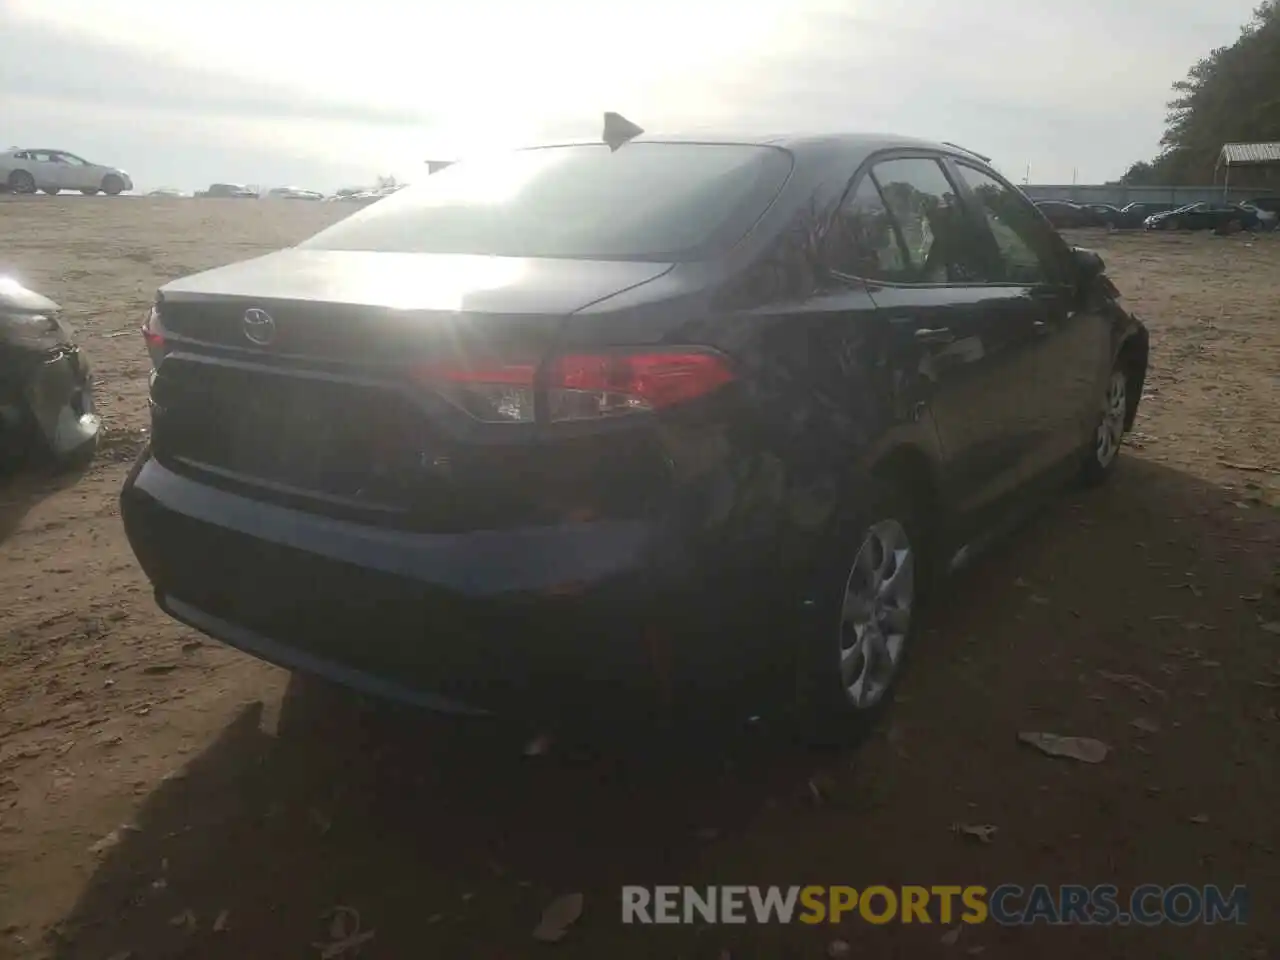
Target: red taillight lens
[(580, 386), (153, 335), (591, 386)]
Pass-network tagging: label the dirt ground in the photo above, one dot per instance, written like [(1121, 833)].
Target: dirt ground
[(160, 797)]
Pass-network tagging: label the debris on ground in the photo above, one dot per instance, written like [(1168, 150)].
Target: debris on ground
[(537, 746), (345, 935), (220, 923), (837, 949), (949, 938), (1134, 683), (112, 839), (984, 832), (561, 914), (186, 919), (1145, 725), (821, 787), (1083, 749)]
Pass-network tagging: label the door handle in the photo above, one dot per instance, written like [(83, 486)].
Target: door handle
[(934, 335)]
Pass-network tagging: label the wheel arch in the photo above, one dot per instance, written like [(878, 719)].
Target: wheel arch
[(1133, 354), (909, 468), (18, 168), (907, 465)]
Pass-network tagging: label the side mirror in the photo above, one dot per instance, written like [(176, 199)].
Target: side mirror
[(1089, 264)]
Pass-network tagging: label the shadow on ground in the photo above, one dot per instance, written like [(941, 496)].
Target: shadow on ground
[(24, 484), (449, 841)]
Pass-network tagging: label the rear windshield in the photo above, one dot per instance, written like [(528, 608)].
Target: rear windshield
[(646, 201)]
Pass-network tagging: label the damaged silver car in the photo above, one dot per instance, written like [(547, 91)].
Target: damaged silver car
[(46, 390)]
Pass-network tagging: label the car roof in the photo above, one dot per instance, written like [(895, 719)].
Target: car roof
[(801, 143)]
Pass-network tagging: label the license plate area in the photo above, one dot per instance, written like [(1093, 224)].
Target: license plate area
[(350, 441)]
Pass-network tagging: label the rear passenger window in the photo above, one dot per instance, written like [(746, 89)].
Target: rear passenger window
[(905, 224), (1024, 253), (863, 241)]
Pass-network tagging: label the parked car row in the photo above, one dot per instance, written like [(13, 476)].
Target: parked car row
[(1215, 216), (365, 197), (1258, 214), (240, 191)]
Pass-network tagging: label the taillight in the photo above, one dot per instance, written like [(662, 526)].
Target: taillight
[(581, 386), (591, 386), (153, 335), (501, 393)]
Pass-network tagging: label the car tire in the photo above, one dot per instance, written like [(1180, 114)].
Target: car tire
[(20, 181), (112, 185), (91, 192), (858, 634), (1103, 451)]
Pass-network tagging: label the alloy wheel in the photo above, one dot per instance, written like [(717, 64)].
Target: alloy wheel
[(1111, 426), (876, 613)]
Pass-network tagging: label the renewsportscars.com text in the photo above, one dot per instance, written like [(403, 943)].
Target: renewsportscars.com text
[(1007, 904)]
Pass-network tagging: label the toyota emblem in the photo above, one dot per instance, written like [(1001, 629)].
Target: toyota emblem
[(258, 326)]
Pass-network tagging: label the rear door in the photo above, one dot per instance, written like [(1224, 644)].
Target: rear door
[(44, 169), (1033, 271), (907, 232)]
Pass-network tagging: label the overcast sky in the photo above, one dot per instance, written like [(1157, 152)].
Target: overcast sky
[(322, 94)]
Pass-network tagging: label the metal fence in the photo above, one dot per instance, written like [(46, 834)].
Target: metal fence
[(1119, 195)]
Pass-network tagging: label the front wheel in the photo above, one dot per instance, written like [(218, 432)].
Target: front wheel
[(1104, 450), (862, 624), (112, 185)]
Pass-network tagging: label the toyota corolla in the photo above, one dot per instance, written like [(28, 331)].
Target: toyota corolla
[(625, 422)]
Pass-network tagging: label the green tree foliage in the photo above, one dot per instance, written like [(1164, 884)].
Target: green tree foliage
[(1231, 95)]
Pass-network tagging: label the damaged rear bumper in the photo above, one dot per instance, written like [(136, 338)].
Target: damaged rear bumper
[(46, 398)]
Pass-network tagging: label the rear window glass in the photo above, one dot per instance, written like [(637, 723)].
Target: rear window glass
[(646, 201)]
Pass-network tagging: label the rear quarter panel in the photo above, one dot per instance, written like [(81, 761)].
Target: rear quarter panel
[(760, 480)]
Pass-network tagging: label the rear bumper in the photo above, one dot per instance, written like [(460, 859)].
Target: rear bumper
[(585, 614)]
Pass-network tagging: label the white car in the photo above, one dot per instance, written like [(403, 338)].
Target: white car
[(1268, 219), (293, 193), (24, 170)]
